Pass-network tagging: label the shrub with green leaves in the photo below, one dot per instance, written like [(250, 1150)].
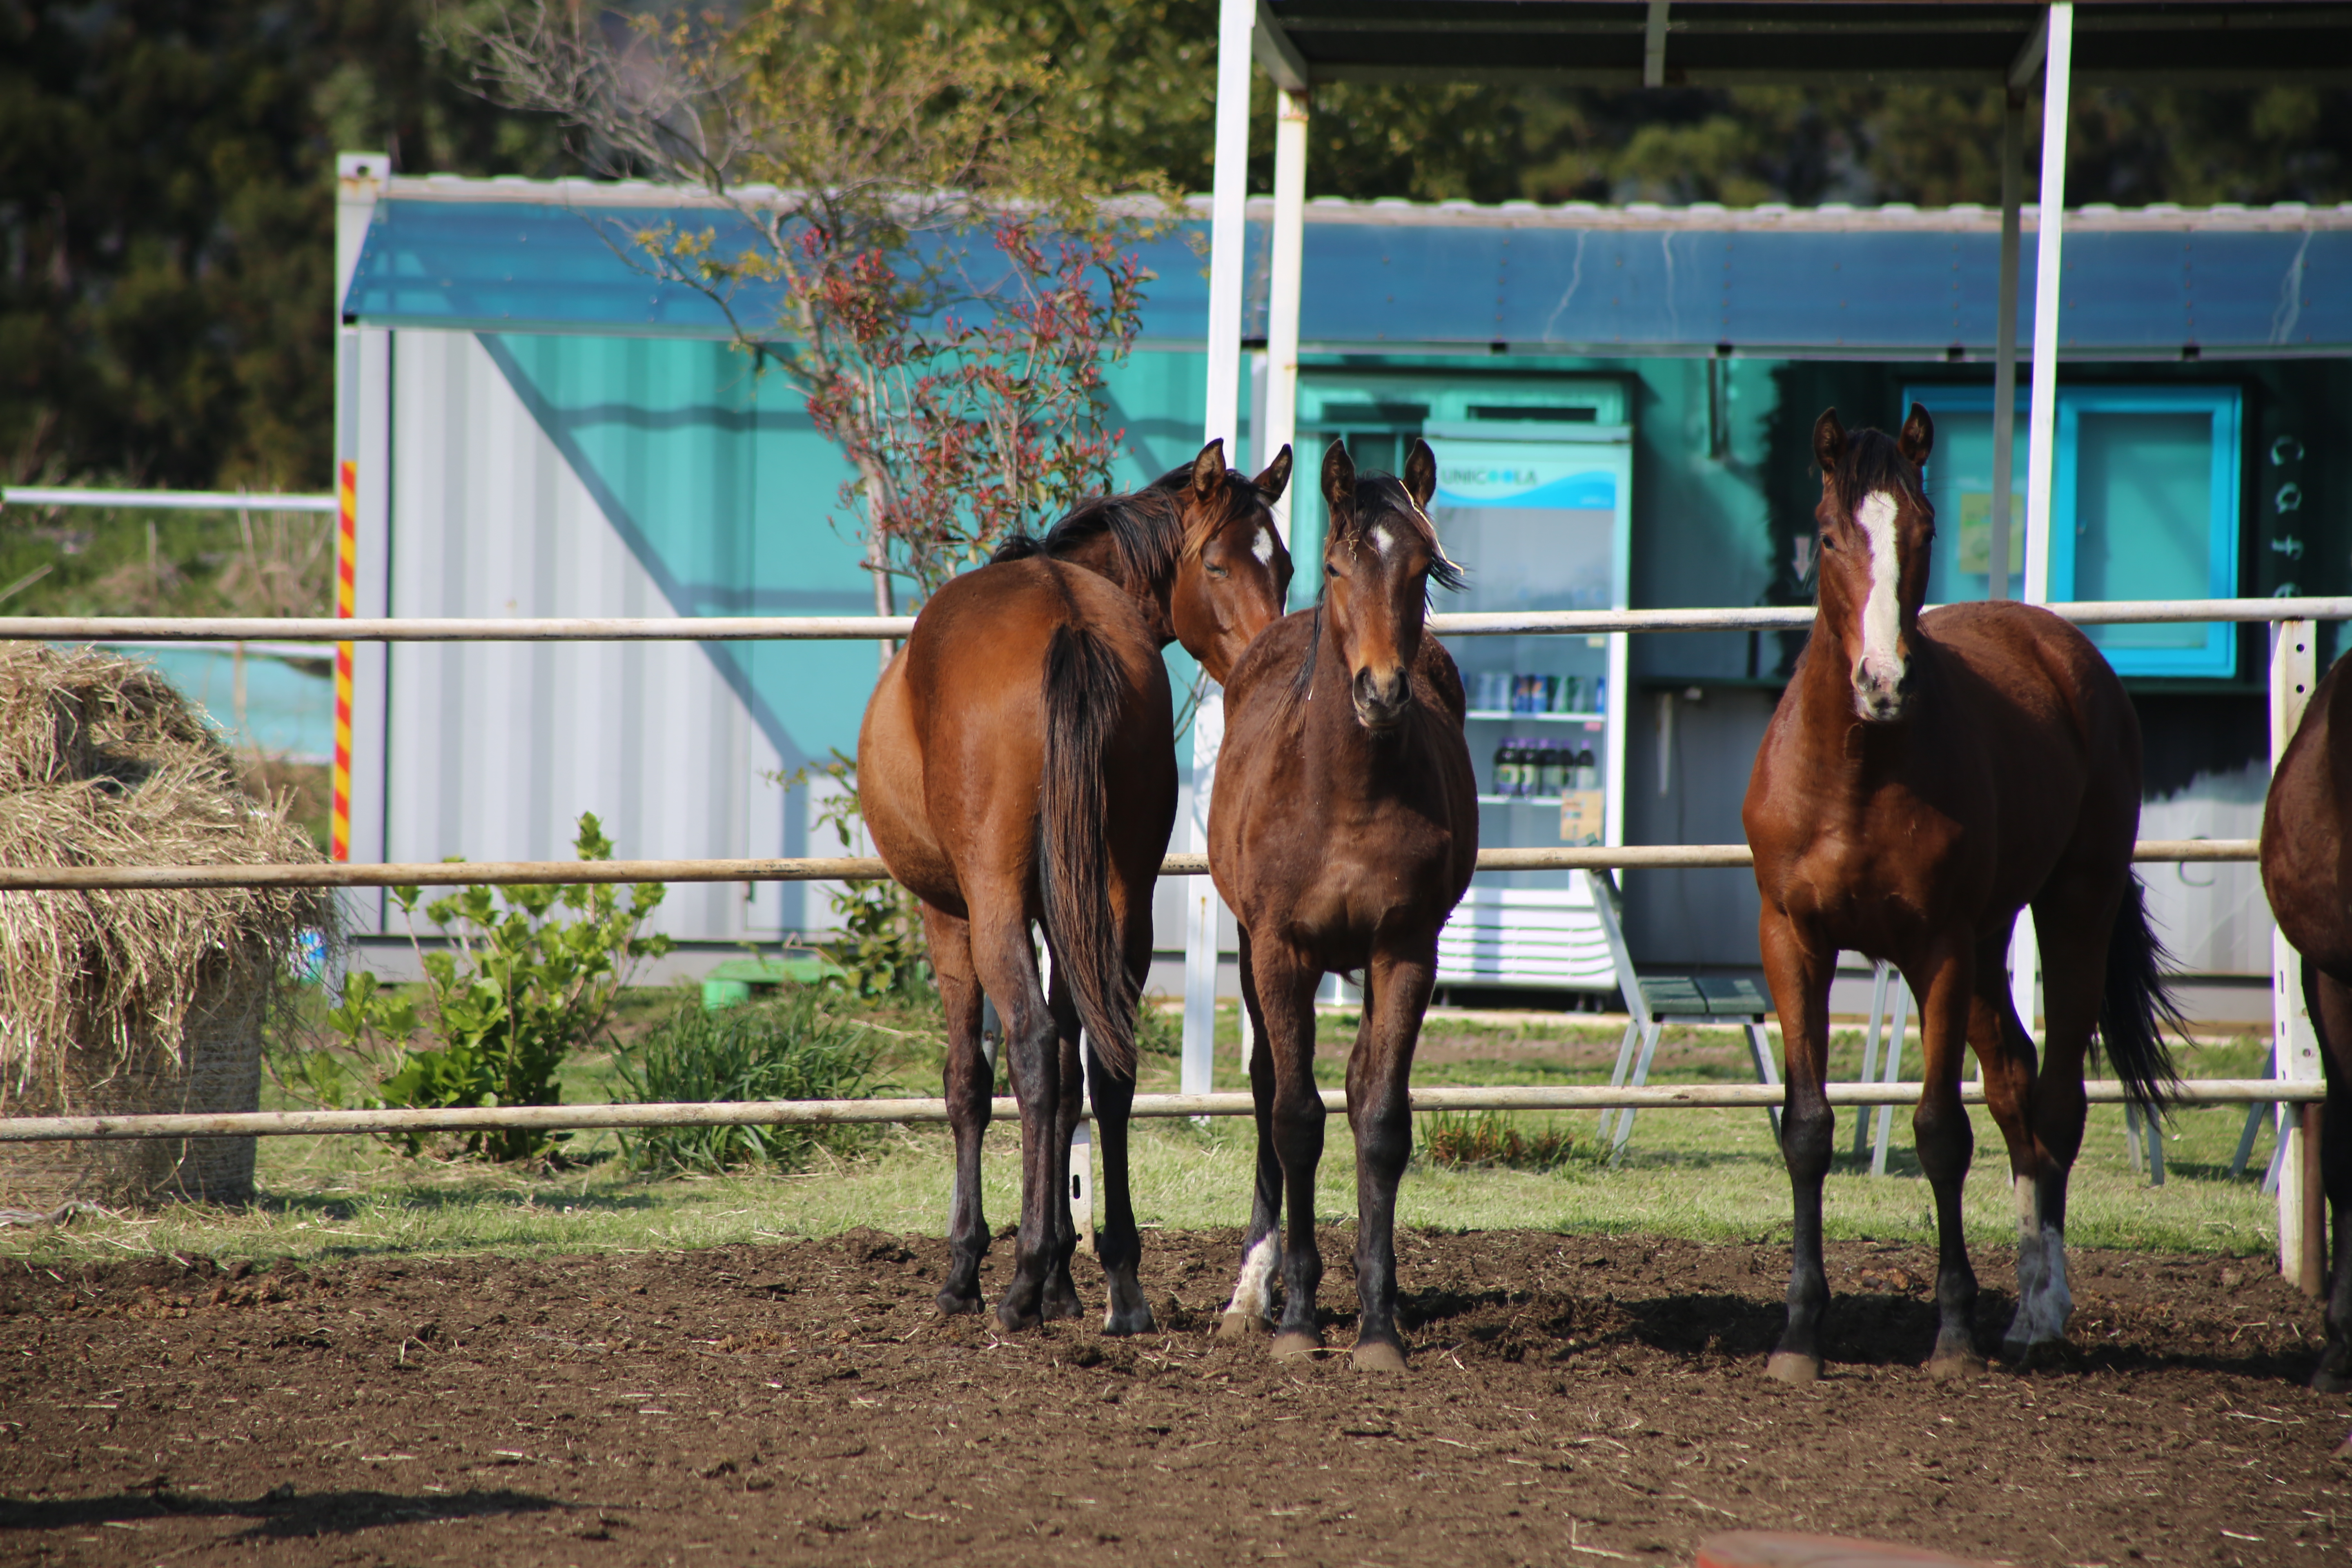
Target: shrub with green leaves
[(530, 978), (790, 1049)]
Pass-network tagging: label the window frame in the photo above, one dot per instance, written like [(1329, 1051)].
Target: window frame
[(2217, 657)]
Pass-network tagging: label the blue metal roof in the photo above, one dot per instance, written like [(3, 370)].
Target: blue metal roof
[(1892, 282)]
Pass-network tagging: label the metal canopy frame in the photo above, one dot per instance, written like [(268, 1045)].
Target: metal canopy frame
[(2002, 47)]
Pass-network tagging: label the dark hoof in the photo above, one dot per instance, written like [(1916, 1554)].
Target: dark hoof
[(1950, 1366), (1240, 1326), (2331, 1380), (1138, 1322), (1056, 1306), (1377, 1355), (954, 1305), (1788, 1366), (1016, 1319), (1292, 1344), (2033, 1357)]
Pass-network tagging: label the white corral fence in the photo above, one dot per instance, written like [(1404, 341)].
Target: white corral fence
[(2292, 674)]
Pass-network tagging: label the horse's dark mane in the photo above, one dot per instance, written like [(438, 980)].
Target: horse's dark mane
[(1874, 461), (1146, 526)]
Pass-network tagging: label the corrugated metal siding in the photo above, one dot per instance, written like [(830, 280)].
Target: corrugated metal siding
[(496, 749)]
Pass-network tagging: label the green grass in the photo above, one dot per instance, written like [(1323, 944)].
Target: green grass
[(1712, 1175)]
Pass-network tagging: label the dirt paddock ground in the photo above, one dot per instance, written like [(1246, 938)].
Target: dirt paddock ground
[(1572, 1399)]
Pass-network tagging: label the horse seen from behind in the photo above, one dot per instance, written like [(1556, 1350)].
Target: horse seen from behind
[(1343, 831), (1017, 766), (1923, 779)]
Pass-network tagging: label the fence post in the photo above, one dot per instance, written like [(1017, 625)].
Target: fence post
[(2295, 1048)]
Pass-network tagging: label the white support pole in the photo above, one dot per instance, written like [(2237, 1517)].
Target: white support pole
[(1201, 903), (1221, 421), (2041, 429), (2040, 453), (2294, 671), (1279, 425), (1229, 189)]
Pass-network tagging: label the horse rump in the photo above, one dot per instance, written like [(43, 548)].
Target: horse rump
[(1086, 692), (2136, 1009)]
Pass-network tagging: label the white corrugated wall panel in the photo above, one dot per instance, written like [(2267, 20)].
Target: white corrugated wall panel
[(495, 749)]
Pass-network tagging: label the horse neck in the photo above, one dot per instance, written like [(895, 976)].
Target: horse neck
[(1098, 554)]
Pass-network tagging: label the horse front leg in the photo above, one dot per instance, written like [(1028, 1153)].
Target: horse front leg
[(1286, 990), (1251, 1306), (1947, 1143), (970, 1085), (2331, 1012), (1797, 966), (1119, 1242), (1380, 1081)]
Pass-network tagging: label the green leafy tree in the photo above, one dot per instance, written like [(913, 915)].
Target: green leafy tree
[(953, 278)]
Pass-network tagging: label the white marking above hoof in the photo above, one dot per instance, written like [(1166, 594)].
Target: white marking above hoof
[(1254, 1291)]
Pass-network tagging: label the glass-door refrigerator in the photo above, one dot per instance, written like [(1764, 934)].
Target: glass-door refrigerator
[(1540, 516)]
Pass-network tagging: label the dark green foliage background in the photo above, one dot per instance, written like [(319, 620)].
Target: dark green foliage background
[(166, 201)]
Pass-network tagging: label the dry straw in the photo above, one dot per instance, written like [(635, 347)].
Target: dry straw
[(125, 1001)]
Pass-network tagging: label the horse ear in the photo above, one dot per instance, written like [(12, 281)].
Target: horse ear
[(1209, 468), (1829, 440), (1338, 477), (1918, 437), (1421, 473), (1276, 477)]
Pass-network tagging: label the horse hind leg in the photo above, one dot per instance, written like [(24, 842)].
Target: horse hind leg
[(2073, 927), (970, 1087), (1060, 1296), (1119, 1242), (1250, 1310), (1007, 967)]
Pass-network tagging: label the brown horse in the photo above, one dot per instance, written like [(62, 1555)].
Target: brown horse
[(1017, 765), (2307, 873), (1344, 829), (1923, 779)]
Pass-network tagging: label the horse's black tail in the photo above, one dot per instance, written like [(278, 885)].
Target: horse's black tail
[(1086, 690), (2135, 1009)]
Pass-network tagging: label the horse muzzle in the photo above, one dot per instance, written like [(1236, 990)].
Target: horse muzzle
[(1382, 701), (1881, 693)]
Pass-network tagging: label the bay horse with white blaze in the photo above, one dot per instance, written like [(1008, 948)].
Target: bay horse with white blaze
[(2307, 875), (1924, 778), (1016, 765), (1343, 831)]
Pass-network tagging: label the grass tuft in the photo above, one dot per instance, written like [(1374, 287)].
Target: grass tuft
[(790, 1049), (1485, 1139)]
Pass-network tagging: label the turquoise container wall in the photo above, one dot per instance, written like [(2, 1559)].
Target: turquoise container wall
[(713, 476)]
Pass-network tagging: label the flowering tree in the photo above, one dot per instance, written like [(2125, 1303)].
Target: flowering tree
[(953, 277)]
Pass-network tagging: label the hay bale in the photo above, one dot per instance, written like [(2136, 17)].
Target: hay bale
[(131, 1002)]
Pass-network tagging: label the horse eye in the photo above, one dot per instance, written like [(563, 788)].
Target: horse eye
[(1827, 542), (1218, 572)]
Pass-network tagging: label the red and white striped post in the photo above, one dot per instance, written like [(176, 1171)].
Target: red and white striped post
[(347, 549)]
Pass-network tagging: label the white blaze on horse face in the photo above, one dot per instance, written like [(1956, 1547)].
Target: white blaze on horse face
[(1881, 613), (1263, 545), (1382, 540)]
